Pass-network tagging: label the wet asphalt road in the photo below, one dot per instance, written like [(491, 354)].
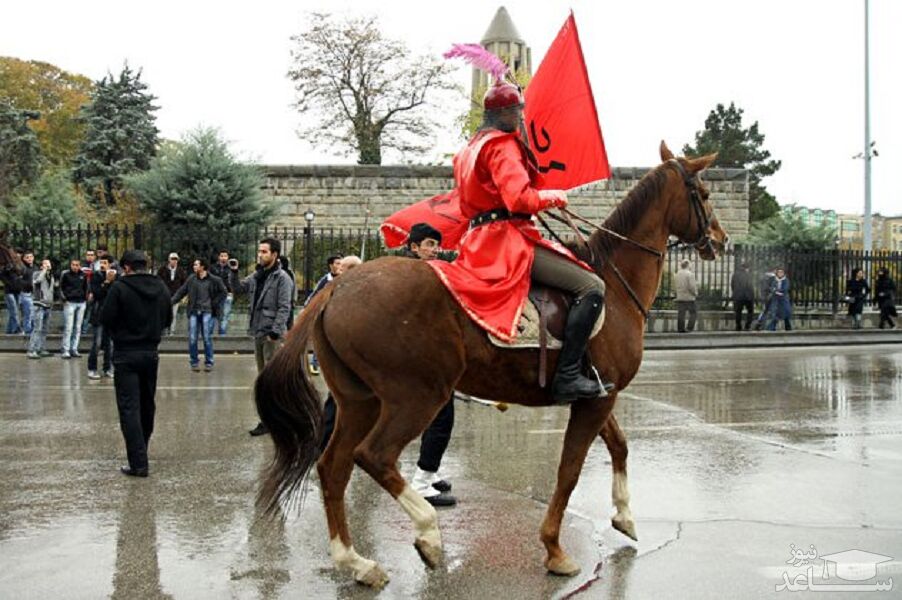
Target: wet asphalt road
[(734, 455)]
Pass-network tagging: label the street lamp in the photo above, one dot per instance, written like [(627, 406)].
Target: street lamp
[(309, 216)]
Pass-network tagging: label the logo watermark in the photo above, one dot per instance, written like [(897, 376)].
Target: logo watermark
[(854, 566)]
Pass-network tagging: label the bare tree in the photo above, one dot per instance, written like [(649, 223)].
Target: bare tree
[(364, 92)]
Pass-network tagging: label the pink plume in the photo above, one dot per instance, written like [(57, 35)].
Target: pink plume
[(480, 58)]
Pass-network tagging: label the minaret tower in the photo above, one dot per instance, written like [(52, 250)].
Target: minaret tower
[(503, 40)]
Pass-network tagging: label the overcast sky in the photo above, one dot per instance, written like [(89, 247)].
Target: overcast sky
[(657, 68)]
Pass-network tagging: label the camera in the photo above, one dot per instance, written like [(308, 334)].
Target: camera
[(233, 263)]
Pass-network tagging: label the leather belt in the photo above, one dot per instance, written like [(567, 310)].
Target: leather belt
[(499, 214)]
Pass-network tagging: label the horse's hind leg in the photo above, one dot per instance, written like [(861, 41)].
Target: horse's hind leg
[(399, 423), (616, 442), (358, 409), (586, 419), (334, 467)]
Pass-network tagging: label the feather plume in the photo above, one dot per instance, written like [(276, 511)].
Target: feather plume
[(480, 58)]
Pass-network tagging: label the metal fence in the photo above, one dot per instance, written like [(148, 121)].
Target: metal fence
[(818, 279)]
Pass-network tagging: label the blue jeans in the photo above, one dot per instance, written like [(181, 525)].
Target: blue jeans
[(101, 342), (73, 313), (41, 325), (12, 308), (25, 303), (204, 321), (225, 311)]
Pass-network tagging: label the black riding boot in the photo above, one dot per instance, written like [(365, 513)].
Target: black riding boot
[(569, 384)]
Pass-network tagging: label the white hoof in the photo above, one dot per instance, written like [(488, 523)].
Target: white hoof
[(565, 566)]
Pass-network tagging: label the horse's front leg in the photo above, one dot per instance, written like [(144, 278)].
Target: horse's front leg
[(615, 440), (586, 420)]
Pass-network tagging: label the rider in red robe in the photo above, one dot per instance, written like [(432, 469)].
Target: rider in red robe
[(503, 250)]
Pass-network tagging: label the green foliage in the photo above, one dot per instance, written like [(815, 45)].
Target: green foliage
[(50, 202), (740, 148), (790, 232), (197, 187), (54, 93), (362, 92), (120, 139), (20, 152)]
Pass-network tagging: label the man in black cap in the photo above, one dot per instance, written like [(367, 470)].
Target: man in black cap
[(136, 310)]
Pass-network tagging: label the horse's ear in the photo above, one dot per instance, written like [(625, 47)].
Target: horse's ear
[(697, 165), (666, 154)]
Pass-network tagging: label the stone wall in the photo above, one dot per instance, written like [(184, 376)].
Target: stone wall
[(339, 195)]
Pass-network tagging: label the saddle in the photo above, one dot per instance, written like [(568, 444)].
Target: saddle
[(542, 323)]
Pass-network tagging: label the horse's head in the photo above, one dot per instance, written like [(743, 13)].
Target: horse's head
[(690, 215)]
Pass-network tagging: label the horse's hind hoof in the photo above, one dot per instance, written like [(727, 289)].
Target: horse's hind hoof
[(565, 566), (626, 527), (429, 551), (375, 577)]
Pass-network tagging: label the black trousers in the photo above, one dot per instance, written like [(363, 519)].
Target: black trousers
[(749, 306), (136, 385), (432, 445), (436, 437)]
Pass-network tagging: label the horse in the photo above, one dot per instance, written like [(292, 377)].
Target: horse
[(9, 258), (393, 345)]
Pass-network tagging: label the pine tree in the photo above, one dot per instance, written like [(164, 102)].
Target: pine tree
[(199, 189), (739, 148), (121, 136), (20, 152), (50, 202)]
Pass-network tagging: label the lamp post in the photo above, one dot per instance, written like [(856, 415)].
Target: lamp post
[(309, 216), (867, 133)]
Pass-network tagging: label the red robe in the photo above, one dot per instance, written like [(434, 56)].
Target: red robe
[(490, 277)]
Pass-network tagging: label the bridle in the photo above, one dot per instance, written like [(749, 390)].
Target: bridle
[(703, 242)]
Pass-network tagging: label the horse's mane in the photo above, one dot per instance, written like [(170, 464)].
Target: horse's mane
[(7, 255), (626, 215)]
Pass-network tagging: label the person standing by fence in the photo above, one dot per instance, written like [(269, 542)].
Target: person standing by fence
[(173, 277), (857, 292), (743, 294), (136, 310), (12, 288), (780, 303), (686, 294), (221, 269), (43, 284), (74, 292), (269, 289), (885, 298), (89, 266), (100, 287), (26, 298), (205, 293)]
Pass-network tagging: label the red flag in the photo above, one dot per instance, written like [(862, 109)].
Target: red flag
[(441, 212), (561, 119)]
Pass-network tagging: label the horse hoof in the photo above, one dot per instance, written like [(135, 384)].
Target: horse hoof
[(375, 577), (626, 527), (564, 566), (429, 551)]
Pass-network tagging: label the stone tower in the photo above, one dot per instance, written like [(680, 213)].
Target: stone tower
[(503, 39)]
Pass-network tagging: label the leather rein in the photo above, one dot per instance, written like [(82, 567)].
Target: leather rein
[(698, 211)]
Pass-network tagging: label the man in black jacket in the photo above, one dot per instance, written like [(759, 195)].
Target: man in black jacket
[(136, 310), (100, 287), (743, 296), (74, 291)]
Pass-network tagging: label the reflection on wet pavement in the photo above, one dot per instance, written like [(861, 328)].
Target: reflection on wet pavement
[(733, 456)]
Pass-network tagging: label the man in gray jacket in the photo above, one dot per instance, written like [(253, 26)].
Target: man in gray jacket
[(269, 290), (686, 293), (42, 302)]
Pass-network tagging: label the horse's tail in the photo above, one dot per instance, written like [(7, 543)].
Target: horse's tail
[(289, 405)]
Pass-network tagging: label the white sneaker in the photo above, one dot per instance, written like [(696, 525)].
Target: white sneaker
[(93, 375), (422, 483)]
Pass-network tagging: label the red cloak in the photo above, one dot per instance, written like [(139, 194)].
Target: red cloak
[(490, 277)]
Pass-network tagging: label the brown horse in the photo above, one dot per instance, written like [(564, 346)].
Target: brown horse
[(393, 345), (9, 258)]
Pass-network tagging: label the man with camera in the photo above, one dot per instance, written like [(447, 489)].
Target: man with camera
[(270, 290), (100, 287), (135, 311)]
